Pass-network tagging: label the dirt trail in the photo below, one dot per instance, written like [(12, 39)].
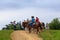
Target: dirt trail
[(23, 35)]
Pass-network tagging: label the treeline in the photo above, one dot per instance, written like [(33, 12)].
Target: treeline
[(54, 24), (11, 26)]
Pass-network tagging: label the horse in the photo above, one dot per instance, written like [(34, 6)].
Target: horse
[(35, 26), (38, 26), (42, 26), (24, 24)]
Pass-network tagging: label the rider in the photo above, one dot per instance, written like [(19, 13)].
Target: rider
[(32, 21), (14, 23), (28, 20), (37, 19)]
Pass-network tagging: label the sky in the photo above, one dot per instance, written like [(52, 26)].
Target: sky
[(20, 10)]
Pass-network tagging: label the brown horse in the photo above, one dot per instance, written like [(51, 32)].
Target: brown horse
[(42, 26), (24, 24), (35, 26), (38, 26)]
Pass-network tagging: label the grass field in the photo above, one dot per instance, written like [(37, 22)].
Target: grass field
[(46, 35), (50, 35), (5, 34)]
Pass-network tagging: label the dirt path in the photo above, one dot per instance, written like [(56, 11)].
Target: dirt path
[(23, 35)]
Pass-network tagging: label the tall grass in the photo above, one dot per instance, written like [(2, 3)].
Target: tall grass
[(5, 34), (50, 35)]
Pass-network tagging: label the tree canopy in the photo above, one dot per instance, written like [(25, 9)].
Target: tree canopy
[(54, 24)]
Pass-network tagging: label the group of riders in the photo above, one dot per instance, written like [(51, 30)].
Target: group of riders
[(34, 23)]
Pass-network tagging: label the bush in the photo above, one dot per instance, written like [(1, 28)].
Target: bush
[(55, 24), (11, 27)]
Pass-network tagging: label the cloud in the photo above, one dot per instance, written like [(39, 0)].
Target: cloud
[(27, 12), (29, 3)]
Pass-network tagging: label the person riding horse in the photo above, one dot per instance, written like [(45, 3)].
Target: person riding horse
[(32, 21), (37, 20), (24, 24), (32, 24), (35, 24)]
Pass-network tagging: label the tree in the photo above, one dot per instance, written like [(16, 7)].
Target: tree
[(55, 24), (11, 26)]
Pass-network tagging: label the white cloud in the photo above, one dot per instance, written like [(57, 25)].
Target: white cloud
[(29, 3)]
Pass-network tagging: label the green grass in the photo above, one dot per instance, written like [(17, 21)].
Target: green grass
[(5, 34), (50, 35)]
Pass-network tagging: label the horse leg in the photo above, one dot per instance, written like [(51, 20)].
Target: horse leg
[(34, 30), (37, 30), (29, 30), (42, 28)]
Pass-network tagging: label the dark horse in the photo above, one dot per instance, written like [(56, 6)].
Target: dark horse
[(24, 24), (36, 26), (42, 26)]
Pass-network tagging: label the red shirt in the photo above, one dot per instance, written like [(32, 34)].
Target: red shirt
[(37, 19)]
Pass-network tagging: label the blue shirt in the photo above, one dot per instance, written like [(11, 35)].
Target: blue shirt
[(33, 20)]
